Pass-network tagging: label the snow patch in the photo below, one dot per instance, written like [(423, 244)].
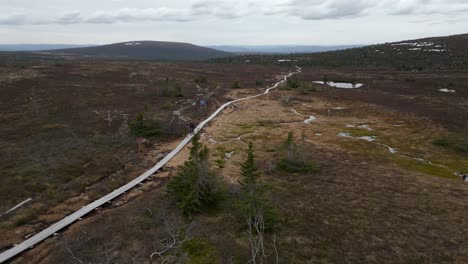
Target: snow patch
[(132, 43), (310, 119), (343, 85), (415, 44), (445, 90)]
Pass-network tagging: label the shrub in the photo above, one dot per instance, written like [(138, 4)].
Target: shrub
[(460, 146), (325, 79), (295, 161), (442, 142), (294, 166), (201, 79), (258, 82), (293, 83), (235, 85), (140, 128), (172, 90)]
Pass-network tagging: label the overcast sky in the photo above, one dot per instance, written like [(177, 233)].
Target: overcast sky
[(207, 22)]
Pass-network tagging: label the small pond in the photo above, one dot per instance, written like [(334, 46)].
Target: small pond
[(344, 85)]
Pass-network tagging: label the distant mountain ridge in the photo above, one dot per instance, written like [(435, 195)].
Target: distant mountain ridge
[(39, 47), (243, 49), (280, 49), (146, 50)]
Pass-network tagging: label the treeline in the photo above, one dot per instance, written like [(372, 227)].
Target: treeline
[(378, 56)]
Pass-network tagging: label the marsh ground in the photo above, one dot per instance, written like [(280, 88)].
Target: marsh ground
[(65, 137), (390, 200)]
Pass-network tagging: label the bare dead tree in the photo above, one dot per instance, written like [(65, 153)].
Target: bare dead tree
[(82, 238), (67, 248), (176, 235), (138, 255), (275, 248), (34, 101), (256, 230), (290, 146), (74, 247), (108, 251)]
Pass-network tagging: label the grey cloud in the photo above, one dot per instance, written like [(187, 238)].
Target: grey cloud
[(234, 9), (427, 7), (70, 18), (224, 9), (126, 15), (405, 7), (132, 15), (331, 9), (17, 19)]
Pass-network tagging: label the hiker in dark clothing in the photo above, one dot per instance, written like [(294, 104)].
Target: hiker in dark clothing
[(192, 128)]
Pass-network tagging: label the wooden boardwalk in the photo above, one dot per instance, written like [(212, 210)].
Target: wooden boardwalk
[(53, 229)]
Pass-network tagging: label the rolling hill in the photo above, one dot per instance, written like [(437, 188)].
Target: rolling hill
[(146, 50), (39, 47), (437, 53), (280, 49)]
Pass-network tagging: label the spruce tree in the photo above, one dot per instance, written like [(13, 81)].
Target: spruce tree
[(249, 173), (194, 186)]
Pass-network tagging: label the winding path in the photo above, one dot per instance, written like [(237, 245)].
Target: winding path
[(51, 230)]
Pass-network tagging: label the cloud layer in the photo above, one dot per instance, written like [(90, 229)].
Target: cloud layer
[(230, 9)]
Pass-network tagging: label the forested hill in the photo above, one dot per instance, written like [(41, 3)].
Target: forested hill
[(438, 53)]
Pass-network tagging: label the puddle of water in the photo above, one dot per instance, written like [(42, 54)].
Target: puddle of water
[(343, 134), (310, 119), (361, 126), (296, 112), (343, 85), (365, 127), (390, 149), (366, 138), (445, 90)]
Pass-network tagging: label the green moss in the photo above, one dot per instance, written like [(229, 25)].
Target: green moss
[(220, 163), (357, 132), (266, 123), (199, 251), (424, 167)]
